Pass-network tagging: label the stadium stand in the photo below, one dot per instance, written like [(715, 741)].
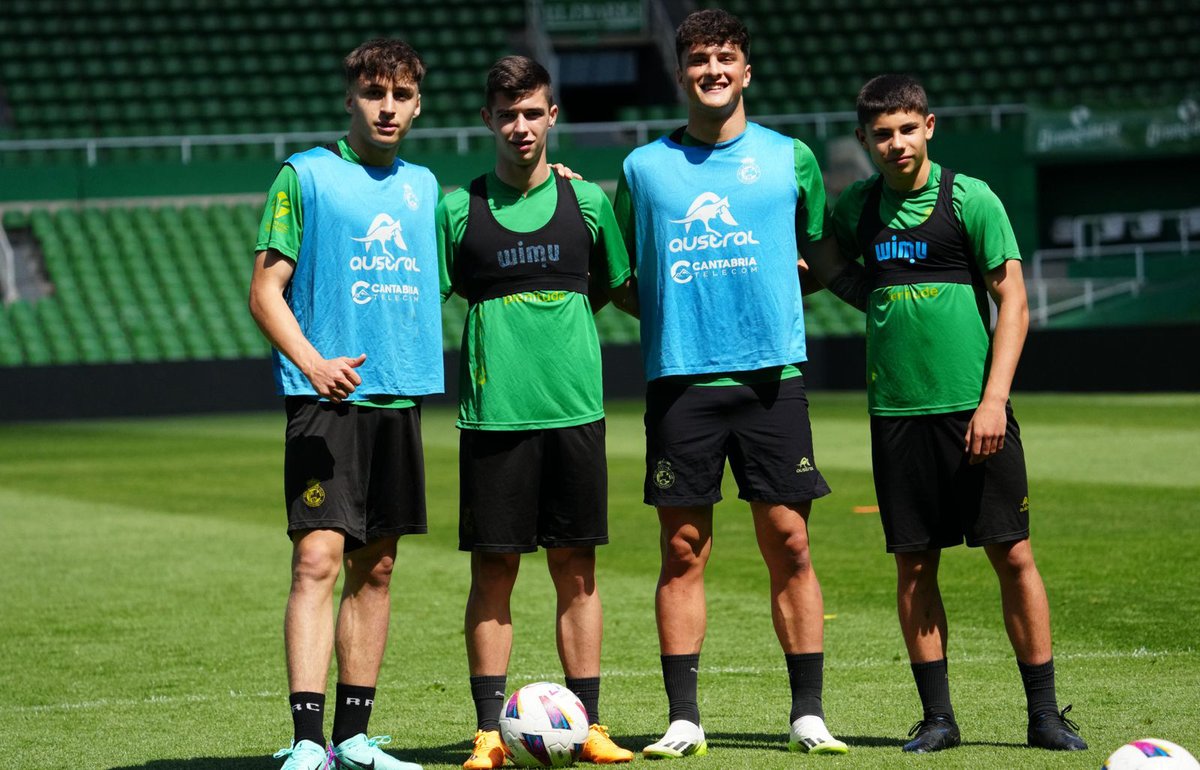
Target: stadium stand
[(813, 55), (166, 281), (158, 283), (212, 67)]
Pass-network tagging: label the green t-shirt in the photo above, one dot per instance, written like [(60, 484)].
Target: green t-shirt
[(809, 229), (927, 345), (531, 360), (281, 228)]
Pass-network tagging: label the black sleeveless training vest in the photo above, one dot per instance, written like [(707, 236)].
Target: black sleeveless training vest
[(493, 261), (935, 251)]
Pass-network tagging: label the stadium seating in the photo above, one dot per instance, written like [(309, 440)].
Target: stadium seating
[(813, 55), (159, 283), (169, 67), (169, 283), (212, 67)]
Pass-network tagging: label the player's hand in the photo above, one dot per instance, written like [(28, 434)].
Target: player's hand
[(985, 432), (564, 172), (335, 378)]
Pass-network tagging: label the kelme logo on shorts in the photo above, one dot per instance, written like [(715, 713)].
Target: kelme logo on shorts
[(804, 466), (314, 495), (664, 477)]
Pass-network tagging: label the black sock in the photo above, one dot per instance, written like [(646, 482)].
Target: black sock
[(933, 685), (1039, 686), (488, 694), (805, 674), (680, 675), (352, 712), (308, 717), (588, 692)]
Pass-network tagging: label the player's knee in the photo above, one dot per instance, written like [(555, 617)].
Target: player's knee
[(681, 555), (315, 566), (914, 569), (494, 570)]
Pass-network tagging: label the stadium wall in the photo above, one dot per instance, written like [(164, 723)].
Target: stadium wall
[(1080, 360)]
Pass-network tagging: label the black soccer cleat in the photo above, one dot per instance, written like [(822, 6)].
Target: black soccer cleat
[(1052, 730), (933, 734)]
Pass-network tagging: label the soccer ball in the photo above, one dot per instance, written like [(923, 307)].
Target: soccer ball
[(1151, 754), (544, 725)]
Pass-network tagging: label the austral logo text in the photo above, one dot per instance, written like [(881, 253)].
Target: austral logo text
[(707, 207)]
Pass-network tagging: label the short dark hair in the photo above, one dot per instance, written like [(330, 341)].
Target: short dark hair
[(515, 76), (886, 94), (383, 58), (711, 27)]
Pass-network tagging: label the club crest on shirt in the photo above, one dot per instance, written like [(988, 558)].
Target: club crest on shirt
[(748, 172)]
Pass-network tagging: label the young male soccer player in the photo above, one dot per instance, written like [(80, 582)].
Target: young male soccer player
[(345, 287), (946, 450), (714, 213), (519, 243)]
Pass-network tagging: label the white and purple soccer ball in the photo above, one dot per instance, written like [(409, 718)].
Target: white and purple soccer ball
[(544, 725), (1150, 754)]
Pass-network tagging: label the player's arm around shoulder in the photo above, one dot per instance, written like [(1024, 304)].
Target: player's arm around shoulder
[(611, 274), (833, 261), (450, 219)]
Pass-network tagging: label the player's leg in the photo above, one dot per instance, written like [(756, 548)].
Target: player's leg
[(579, 626), (798, 614), (323, 499), (911, 457), (771, 456), (362, 629), (308, 629), (572, 522), (499, 477), (924, 628), (388, 444), (1027, 620), (997, 491), (680, 609)]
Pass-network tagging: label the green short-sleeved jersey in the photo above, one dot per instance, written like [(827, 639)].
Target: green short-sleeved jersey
[(809, 229), (927, 346), (281, 228), (531, 360)]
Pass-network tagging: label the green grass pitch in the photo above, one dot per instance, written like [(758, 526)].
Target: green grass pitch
[(145, 569)]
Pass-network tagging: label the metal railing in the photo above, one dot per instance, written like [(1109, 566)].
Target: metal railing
[(631, 133), (1052, 291)]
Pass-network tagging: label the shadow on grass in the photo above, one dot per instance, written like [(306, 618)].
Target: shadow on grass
[(451, 754), (454, 753), (760, 741)]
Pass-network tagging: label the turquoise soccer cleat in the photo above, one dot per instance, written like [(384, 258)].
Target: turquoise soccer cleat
[(363, 753)]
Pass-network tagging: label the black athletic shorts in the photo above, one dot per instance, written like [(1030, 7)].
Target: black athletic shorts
[(519, 489), (762, 429), (356, 469), (931, 497)]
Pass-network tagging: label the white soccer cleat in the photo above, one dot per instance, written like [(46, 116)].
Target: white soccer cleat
[(682, 739), (809, 734)]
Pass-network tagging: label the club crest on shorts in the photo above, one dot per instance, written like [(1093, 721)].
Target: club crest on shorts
[(314, 494), (1025, 505), (804, 466), (664, 477)]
